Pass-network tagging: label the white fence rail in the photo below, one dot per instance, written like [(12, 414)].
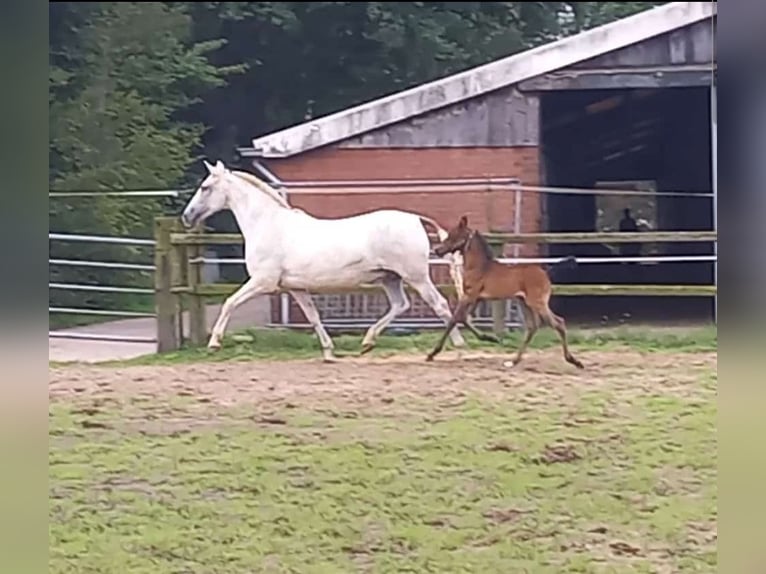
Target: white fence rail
[(100, 288), (513, 260)]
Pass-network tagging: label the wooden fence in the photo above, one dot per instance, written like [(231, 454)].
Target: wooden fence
[(179, 286)]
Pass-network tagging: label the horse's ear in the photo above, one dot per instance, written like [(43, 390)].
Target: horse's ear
[(219, 166), (463, 221), (208, 166)]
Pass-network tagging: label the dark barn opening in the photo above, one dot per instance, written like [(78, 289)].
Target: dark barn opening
[(656, 139)]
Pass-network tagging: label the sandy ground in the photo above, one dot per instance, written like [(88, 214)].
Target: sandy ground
[(253, 313), (360, 383)]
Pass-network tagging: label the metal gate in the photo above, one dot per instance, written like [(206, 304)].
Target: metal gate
[(133, 258)]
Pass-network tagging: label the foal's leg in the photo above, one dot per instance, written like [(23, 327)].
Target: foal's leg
[(531, 325), (306, 303), (252, 287), (436, 301), (489, 337), (559, 324), (399, 303), (458, 316)]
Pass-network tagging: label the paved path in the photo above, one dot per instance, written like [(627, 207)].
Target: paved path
[(251, 314)]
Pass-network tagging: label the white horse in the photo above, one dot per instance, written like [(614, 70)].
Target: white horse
[(288, 249)]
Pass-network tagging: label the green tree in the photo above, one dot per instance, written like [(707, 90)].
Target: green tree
[(591, 14), (307, 59), (121, 75)]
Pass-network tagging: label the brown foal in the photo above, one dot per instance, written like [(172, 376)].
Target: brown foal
[(484, 278)]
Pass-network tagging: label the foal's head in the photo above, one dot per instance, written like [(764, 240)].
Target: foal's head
[(211, 195), (457, 239)]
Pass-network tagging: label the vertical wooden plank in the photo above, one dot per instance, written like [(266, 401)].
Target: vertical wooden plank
[(178, 257), (164, 300), (498, 307), (197, 322)]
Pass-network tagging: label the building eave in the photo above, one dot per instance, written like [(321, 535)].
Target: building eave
[(478, 81)]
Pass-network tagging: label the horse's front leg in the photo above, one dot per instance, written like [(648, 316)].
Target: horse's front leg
[(488, 337), (457, 317), (306, 303), (252, 287)]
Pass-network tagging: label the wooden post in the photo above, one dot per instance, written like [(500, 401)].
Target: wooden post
[(498, 307), (164, 300), (178, 278), (197, 319)]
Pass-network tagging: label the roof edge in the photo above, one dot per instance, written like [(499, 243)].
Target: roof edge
[(480, 80)]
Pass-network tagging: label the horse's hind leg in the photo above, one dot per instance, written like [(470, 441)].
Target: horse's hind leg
[(456, 272), (436, 301), (306, 303), (399, 303), (531, 325), (559, 324)]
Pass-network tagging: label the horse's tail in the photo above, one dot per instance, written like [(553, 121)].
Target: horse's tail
[(455, 259), (441, 233), (554, 269)]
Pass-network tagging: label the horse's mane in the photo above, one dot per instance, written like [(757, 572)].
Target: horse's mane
[(488, 253), (263, 186)]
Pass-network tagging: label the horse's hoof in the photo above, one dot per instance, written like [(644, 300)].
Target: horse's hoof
[(509, 364), (329, 358), (213, 347), (429, 358), (366, 349), (575, 362)]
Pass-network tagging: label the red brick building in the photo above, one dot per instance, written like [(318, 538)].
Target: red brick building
[(618, 102)]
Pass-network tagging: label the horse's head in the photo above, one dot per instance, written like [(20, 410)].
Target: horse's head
[(210, 197), (456, 239)]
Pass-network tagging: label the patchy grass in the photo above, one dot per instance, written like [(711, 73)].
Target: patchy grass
[(283, 344), (596, 473)]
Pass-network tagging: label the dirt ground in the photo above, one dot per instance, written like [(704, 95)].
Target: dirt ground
[(380, 464), (370, 382)]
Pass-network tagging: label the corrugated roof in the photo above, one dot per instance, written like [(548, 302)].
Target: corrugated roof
[(479, 80)]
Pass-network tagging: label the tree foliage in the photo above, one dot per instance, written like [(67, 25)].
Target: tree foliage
[(120, 74)]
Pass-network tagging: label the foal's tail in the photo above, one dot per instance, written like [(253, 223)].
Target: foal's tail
[(455, 259), (554, 269), (441, 233)]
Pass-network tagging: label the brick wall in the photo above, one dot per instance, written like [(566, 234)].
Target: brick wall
[(485, 210)]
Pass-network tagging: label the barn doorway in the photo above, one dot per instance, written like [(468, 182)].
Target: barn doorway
[(655, 140)]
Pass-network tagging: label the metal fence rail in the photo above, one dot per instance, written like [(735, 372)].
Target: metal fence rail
[(101, 337), (102, 312), (102, 264), (513, 260), (100, 239), (77, 287)]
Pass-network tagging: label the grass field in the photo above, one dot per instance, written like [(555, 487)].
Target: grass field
[(283, 344), (243, 462)]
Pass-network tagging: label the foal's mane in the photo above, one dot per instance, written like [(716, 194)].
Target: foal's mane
[(263, 186), (488, 253)]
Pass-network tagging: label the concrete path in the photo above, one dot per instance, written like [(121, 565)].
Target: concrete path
[(254, 313)]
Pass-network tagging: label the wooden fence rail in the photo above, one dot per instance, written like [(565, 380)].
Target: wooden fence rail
[(497, 238), (179, 286)]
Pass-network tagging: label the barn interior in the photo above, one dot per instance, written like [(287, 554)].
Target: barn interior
[(655, 139)]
